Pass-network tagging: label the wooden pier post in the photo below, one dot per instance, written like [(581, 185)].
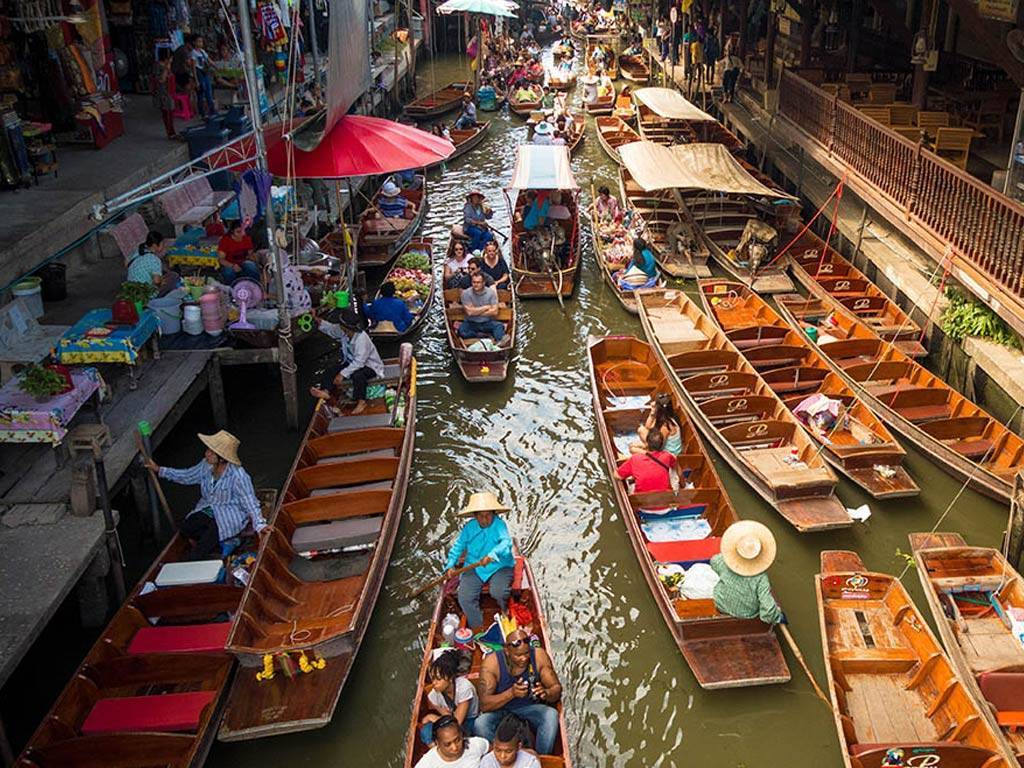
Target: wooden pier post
[(1015, 526)]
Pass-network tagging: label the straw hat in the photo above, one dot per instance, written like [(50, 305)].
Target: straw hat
[(485, 501), (748, 548), (224, 444), (475, 193), (390, 189)]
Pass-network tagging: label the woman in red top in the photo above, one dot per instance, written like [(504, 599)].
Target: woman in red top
[(651, 471), (233, 252)]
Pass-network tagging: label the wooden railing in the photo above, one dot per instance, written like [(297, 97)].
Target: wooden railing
[(978, 224)]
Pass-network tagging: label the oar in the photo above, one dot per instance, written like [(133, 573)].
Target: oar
[(800, 657), (156, 481), (444, 577)]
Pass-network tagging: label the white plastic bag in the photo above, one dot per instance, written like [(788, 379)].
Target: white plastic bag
[(699, 583)]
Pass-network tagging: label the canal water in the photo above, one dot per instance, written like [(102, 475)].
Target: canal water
[(630, 699)]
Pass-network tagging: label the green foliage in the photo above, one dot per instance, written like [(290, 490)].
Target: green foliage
[(966, 317), (41, 382), (134, 292)]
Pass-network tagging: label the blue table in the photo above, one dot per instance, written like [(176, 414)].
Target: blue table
[(80, 343)]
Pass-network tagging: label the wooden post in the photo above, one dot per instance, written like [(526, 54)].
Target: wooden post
[(1015, 526), (215, 384), (744, 23), (860, 235), (769, 52), (853, 35)]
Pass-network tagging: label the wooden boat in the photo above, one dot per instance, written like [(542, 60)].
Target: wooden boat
[(603, 105), (975, 596), (611, 65), (721, 651), (479, 365), (612, 133), (624, 109), (151, 689), (559, 81), (835, 276), (578, 132), (524, 591), (523, 108), (634, 69), (739, 413), (893, 689), (665, 116), (659, 210), (537, 272), (954, 432), (611, 241), (320, 569), (437, 103), (858, 444), (418, 302), (382, 239), (464, 140)]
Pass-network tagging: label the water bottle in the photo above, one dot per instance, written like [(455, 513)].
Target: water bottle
[(448, 627)]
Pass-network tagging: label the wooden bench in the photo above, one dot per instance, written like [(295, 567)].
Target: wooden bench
[(954, 145)]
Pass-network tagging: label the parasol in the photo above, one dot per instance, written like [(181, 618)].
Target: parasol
[(486, 7)]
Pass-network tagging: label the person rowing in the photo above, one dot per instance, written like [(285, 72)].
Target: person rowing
[(743, 590)]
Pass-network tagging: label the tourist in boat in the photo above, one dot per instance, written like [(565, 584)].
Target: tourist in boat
[(662, 418), (362, 364), (605, 88), (387, 308), (475, 214), (480, 303), (651, 470), (456, 268), (507, 749), (743, 590), (452, 749), (520, 679), (227, 500), (558, 138), (607, 207), (535, 213), (484, 539), (494, 265), (233, 252), (476, 267), (392, 205), (543, 133), (467, 118), (547, 101), (449, 693)]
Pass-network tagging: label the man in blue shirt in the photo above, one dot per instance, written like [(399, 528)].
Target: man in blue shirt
[(386, 308), (485, 540)]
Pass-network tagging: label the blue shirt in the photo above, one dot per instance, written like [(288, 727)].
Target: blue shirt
[(536, 213), (648, 264), (392, 207), (230, 497), (143, 267), (477, 543), (392, 309)]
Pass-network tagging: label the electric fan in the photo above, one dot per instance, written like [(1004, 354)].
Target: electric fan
[(246, 294)]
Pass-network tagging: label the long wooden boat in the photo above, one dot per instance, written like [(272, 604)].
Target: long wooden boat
[(464, 139), (611, 64), (524, 592), (613, 247), (151, 689), (624, 109), (406, 280), (954, 432), (688, 125), (437, 103), (477, 363), (823, 271), (382, 239), (523, 108), (612, 133), (975, 597), (894, 692), (721, 651), (661, 210), (634, 69), (603, 105), (560, 80), (578, 133), (739, 413), (320, 569), (857, 443)]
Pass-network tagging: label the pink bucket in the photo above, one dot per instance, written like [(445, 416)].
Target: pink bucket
[(213, 313)]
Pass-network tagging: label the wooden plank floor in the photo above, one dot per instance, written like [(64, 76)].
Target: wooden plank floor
[(882, 710)]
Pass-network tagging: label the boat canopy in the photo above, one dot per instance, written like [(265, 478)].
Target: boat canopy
[(542, 167), (691, 166), (670, 104)]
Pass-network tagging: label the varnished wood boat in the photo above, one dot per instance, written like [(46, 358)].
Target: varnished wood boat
[(464, 139), (523, 108), (611, 64), (320, 568), (480, 365), (624, 105), (437, 103), (954, 432), (619, 239), (419, 309), (835, 276), (739, 413), (891, 685), (858, 445), (612, 133), (665, 116), (524, 591), (973, 594), (382, 239), (151, 689), (721, 651), (634, 69), (603, 105), (579, 131)]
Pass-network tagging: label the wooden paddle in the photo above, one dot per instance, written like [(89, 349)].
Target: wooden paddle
[(800, 657), (156, 482), (444, 577)]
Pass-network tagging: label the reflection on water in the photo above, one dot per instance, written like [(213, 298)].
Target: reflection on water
[(630, 699)]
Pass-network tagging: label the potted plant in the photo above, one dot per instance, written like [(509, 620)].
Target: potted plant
[(136, 293), (42, 382)]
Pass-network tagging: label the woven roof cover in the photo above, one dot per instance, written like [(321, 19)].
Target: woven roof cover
[(543, 166), (666, 102)]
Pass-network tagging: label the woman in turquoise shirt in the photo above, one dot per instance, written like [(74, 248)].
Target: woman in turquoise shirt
[(484, 539)]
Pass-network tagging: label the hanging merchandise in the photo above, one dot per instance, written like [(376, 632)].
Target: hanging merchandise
[(270, 25)]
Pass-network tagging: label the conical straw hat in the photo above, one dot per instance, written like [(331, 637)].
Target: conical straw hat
[(748, 548), (224, 444), (485, 501)]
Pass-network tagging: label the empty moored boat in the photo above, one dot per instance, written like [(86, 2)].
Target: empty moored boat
[(437, 103), (612, 133), (634, 69), (464, 139)]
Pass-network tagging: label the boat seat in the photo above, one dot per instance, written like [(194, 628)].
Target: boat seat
[(919, 414), (169, 712), (383, 453), (383, 485), (974, 449), (685, 552), (1003, 690), (353, 532), (363, 421), (181, 638)]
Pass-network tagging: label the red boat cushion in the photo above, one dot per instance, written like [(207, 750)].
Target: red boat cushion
[(170, 712), (185, 638), (1005, 690), (694, 551)]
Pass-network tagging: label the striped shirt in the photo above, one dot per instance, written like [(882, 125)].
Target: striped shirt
[(231, 496)]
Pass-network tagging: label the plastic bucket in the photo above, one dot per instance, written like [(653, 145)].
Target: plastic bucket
[(168, 312), (55, 285), (212, 313), (29, 291), (192, 322)]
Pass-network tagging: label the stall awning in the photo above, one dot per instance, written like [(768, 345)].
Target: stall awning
[(691, 166), (670, 104), (542, 167)]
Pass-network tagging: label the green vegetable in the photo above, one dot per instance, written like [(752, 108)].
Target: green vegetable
[(41, 382), (133, 292), (966, 317), (414, 260)]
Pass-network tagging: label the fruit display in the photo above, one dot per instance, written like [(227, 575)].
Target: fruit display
[(412, 277)]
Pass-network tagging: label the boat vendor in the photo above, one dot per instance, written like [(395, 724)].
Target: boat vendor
[(234, 250), (508, 745), (607, 207), (360, 360), (452, 748), (227, 500), (475, 214), (643, 258), (466, 118), (392, 205), (486, 538), (388, 309), (743, 589), (147, 265), (519, 679)]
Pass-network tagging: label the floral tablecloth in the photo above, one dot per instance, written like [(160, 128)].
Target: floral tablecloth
[(121, 346), (190, 252), (25, 420)]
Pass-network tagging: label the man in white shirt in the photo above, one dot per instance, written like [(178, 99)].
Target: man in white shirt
[(508, 743), (361, 363), (452, 749)]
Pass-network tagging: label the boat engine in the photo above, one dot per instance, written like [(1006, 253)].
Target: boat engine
[(757, 244)]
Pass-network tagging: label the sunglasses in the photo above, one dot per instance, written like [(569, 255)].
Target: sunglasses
[(516, 643)]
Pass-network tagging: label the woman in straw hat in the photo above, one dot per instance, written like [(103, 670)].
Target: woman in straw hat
[(743, 589), (227, 500), (484, 539)]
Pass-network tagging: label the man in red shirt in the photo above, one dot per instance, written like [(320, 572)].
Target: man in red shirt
[(651, 471), (233, 251)]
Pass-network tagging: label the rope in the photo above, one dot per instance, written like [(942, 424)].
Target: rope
[(942, 288), (838, 191)]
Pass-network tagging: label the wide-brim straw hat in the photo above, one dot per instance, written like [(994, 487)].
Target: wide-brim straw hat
[(544, 128), (390, 189), (224, 444), (485, 501), (748, 548)]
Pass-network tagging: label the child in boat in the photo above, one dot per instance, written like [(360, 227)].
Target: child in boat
[(508, 749), (449, 693)]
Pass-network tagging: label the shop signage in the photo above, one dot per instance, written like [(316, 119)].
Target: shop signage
[(1002, 10)]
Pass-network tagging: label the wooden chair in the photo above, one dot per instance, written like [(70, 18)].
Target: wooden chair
[(878, 114), (903, 114), (909, 132), (954, 145), (882, 93), (858, 83), (838, 89), (929, 122), (988, 113)]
